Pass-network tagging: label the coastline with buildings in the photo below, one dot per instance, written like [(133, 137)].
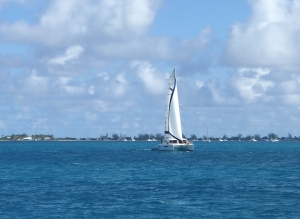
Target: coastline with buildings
[(147, 137)]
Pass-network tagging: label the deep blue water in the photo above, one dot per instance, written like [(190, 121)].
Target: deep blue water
[(127, 180)]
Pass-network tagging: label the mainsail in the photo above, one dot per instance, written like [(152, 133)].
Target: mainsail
[(172, 120)]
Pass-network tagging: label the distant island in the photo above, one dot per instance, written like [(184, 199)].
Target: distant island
[(147, 137)]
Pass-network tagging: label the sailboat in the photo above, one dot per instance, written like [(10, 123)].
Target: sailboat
[(132, 138), (173, 139), (207, 138)]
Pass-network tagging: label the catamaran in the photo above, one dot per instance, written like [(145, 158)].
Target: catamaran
[(173, 139)]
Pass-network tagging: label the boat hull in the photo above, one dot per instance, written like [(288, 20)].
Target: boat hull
[(165, 147), (175, 147), (184, 147)]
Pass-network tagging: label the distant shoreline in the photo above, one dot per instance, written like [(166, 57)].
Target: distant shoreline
[(148, 137), (78, 140)]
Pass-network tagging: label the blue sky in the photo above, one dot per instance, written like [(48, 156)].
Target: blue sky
[(185, 19), (83, 69)]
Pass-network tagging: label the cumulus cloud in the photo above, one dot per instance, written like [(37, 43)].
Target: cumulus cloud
[(103, 75), (270, 38), (70, 54), (30, 84), (250, 83), (95, 62), (35, 84), (66, 84), (91, 90), (265, 50), (119, 85), (153, 80), (106, 30), (67, 21)]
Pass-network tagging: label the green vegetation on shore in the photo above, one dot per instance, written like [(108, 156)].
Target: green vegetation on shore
[(145, 137), (15, 137)]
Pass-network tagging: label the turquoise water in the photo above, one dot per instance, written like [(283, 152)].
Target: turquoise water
[(88, 179)]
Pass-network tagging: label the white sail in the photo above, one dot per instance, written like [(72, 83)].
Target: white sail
[(173, 139), (172, 120)]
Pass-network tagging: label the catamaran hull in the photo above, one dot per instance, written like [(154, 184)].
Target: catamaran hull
[(186, 147), (175, 147), (165, 147)]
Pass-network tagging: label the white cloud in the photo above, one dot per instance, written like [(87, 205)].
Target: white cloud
[(119, 85), (292, 99), (73, 89), (74, 38), (65, 84), (152, 79), (100, 105), (215, 92), (83, 54), (70, 54), (26, 85), (91, 90), (266, 49), (107, 30), (250, 84), (103, 75), (69, 20), (290, 91), (36, 84), (90, 116), (270, 38), (132, 16), (199, 84)]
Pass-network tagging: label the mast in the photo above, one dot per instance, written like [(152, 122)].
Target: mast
[(207, 138)]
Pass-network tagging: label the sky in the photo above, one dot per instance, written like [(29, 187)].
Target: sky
[(86, 68)]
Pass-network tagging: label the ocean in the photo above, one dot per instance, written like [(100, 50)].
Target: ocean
[(106, 179)]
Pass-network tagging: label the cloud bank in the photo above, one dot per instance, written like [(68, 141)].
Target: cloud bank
[(87, 68)]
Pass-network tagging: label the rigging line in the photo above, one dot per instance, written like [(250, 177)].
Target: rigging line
[(170, 101), (167, 114)]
